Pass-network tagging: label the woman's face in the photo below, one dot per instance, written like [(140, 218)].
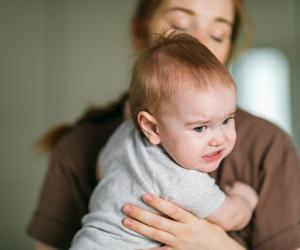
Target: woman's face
[(210, 21)]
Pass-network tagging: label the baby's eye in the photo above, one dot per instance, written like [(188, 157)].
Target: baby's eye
[(226, 121), (200, 129)]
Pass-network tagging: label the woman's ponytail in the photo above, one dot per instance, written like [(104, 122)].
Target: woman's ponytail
[(94, 115)]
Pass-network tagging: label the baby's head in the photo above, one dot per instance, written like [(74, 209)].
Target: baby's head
[(183, 98)]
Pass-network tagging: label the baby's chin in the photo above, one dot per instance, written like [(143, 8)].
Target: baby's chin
[(209, 169), (205, 167)]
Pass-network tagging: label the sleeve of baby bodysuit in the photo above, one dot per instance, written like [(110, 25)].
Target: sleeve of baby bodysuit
[(196, 192)]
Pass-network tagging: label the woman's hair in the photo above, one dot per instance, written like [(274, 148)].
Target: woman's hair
[(143, 12), (48, 141), (241, 30), (172, 63)]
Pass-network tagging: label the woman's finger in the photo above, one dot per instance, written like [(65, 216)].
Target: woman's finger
[(151, 218), (149, 232), (168, 208)]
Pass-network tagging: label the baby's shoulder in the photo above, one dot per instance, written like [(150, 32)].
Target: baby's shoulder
[(119, 141)]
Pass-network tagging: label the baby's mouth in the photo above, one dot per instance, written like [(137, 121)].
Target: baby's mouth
[(216, 155)]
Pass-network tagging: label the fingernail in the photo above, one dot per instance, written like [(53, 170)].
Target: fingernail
[(127, 222), (148, 197), (127, 209)]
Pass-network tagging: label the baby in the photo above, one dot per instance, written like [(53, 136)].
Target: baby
[(183, 103)]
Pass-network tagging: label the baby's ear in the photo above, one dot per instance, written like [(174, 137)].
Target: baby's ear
[(148, 125)]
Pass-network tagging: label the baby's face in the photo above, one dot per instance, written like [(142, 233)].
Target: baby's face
[(198, 130)]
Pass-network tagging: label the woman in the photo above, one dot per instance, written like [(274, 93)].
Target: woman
[(263, 157)]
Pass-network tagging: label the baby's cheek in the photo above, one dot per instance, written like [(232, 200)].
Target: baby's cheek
[(233, 137)]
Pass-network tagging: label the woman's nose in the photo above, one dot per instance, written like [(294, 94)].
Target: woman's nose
[(199, 34)]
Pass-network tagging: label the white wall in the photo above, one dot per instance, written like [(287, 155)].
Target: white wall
[(276, 25), (22, 105), (56, 58)]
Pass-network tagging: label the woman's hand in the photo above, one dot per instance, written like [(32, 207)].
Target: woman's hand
[(176, 228)]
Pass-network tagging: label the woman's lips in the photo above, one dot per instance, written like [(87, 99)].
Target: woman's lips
[(214, 156)]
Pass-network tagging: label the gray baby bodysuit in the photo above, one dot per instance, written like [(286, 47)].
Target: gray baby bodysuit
[(130, 167)]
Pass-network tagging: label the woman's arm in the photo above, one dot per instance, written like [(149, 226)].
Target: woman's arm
[(71, 168), (175, 227)]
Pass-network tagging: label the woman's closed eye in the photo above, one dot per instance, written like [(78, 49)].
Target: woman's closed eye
[(219, 35), (181, 25), (179, 28), (217, 39), (179, 21)]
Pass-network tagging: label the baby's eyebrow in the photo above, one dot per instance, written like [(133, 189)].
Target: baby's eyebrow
[(199, 122), (232, 113), (204, 122)]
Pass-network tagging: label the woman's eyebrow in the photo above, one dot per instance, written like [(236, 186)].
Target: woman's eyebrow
[(223, 20), (175, 8), (192, 13)]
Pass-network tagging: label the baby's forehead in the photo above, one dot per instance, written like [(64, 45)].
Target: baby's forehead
[(174, 80), (183, 80), (210, 102)]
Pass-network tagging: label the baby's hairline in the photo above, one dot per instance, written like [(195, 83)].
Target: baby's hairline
[(164, 105)]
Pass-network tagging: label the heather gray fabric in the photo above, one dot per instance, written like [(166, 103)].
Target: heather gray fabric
[(130, 166)]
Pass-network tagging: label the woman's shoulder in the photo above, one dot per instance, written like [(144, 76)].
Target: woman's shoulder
[(85, 138), (88, 135), (94, 128), (257, 132), (246, 121), (75, 155)]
